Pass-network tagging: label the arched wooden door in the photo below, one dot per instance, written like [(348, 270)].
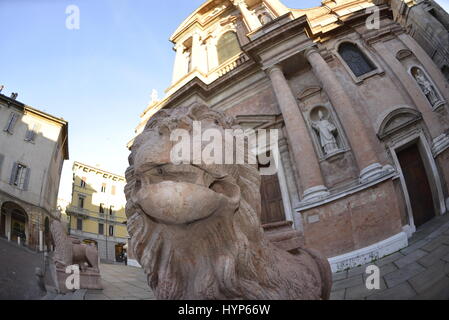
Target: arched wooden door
[(418, 186)]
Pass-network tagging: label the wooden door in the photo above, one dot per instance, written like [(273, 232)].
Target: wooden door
[(272, 206), (417, 183), (2, 225)]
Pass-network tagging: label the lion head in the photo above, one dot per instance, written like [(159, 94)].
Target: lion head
[(195, 227)]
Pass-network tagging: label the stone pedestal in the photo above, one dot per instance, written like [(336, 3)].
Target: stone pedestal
[(89, 279)]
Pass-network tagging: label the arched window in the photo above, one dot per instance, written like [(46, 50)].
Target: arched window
[(355, 59), (227, 46), (445, 71)]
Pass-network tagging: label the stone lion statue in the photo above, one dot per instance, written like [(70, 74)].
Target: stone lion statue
[(70, 251), (196, 228)]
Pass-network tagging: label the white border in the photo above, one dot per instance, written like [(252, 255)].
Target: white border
[(369, 254)]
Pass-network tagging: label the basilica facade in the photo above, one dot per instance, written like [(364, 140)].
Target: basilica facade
[(361, 107)]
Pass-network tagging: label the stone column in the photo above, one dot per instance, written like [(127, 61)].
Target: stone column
[(197, 57), (361, 145), (212, 55), (251, 20), (179, 66), (300, 142)]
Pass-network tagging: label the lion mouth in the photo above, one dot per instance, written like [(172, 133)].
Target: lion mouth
[(171, 202)]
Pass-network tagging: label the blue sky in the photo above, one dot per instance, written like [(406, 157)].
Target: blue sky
[(99, 78)]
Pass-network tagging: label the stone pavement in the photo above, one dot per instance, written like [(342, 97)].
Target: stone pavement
[(17, 272), (420, 271), (121, 282)]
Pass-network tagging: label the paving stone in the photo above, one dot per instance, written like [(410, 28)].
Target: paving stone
[(434, 256), (360, 292), (416, 245), (392, 257), (439, 291), (347, 283), (96, 297), (446, 258), (357, 270), (339, 275), (338, 295), (409, 258), (401, 292), (401, 275), (434, 244), (384, 270), (434, 274)]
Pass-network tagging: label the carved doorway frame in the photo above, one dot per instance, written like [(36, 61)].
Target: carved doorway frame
[(417, 137)]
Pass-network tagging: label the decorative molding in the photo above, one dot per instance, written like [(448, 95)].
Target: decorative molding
[(374, 171), (358, 187), (402, 54), (314, 193), (308, 92), (369, 254), (396, 120), (439, 144)]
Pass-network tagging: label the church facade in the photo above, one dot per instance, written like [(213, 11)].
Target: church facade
[(361, 107)]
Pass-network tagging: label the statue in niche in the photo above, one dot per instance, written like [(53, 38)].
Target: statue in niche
[(426, 86), (327, 132), (265, 18)]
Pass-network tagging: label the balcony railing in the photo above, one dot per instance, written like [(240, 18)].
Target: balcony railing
[(230, 65), (77, 211)]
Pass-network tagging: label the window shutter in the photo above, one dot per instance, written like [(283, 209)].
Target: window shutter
[(13, 173), (27, 179), (2, 157), (29, 135), (11, 122)]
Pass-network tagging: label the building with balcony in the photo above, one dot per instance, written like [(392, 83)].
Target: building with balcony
[(33, 147), (97, 210), (361, 107)]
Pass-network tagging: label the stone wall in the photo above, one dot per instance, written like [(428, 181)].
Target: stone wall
[(353, 222)]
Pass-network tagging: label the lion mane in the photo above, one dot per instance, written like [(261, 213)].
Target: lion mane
[(222, 256)]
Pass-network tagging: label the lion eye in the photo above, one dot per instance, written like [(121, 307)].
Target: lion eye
[(160, 171)]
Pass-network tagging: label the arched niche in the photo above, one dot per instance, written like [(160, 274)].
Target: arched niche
[(227, 46), (397, 120)]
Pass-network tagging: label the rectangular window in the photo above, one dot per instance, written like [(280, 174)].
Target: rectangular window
[(11, 122), (31, 133), (113, 190), (103, 187), (111, 210), (83, 182), (79, 224), (101, 209), (100, 228), (20, 176), (111, 231), (81, 202)]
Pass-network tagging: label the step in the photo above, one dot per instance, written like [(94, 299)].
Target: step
[(277, 225)]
